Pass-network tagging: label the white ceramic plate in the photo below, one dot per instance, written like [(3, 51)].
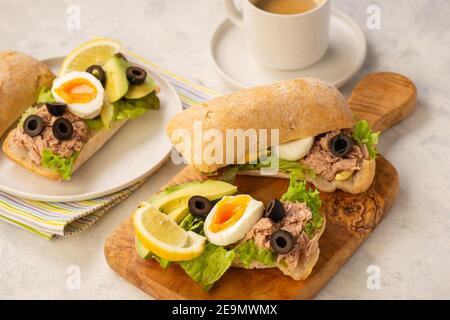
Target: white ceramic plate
[(138, 149), (345, 56)]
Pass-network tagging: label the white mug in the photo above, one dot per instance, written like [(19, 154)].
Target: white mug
[(281, 41)]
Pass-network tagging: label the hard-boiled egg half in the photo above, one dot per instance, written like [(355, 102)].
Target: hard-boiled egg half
[(294, 150), (81, 91), (231, 218)]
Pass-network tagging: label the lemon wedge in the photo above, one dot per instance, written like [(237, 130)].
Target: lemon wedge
[(162, 236), (95, 51)]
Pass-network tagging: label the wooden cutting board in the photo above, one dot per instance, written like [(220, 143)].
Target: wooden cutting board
[(383, 99)]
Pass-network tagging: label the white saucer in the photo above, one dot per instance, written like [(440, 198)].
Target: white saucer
[(344, 57)]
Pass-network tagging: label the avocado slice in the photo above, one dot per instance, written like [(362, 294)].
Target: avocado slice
[(116, 79), (179, 214), (109, 113), (174, 200), (140, 91), (142, 251)]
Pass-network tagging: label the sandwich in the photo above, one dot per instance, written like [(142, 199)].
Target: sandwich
[(75, 115), (206, 228), (21, 78), (317, 136)]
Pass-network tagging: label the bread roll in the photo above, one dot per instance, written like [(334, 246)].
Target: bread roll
[(297, 108), (21, 79)]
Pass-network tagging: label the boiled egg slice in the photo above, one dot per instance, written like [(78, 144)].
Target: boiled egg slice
[(232, 218), (82, 92), (294, 150)]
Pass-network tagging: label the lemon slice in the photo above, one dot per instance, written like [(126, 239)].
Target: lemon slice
[(161, 235), (96, 51)]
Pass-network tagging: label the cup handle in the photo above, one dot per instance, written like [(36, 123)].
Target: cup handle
[(233, 13)]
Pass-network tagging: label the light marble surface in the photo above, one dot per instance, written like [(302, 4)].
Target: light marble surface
[(411, 246)]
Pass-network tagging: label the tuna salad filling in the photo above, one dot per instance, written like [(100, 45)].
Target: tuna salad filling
[(334, 155), (46, 140), (323, 162), (297, 215)]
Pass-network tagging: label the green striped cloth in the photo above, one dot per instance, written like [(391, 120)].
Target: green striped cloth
[(50, 220)]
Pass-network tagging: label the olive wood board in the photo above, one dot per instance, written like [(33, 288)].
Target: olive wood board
[(383, 99)]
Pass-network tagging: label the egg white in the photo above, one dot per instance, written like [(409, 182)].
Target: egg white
[(239, 229), (87, 110), (294, 150)]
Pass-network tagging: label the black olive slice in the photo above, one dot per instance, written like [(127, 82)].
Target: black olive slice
[(56, 109), (120, 55), (199, 206), (275, 211), (62, 129), (33, 125), (341, 145), (136, 75), (98, 72), (282, 241)]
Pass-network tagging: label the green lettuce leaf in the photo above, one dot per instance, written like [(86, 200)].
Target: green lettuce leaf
[(59, 164), (364, 135), (191, 223), (210, 266), (292, 167), (45, 95), (95, 124), (248, 253), (299, 192), (134, 108)]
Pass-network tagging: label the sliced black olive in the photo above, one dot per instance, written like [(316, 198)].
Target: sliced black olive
[(275, 211), (98, 72), (199, 206), (121, 56), (56, 109), (136, 75), (341, 145), (62, 129), (282, 241), (33, 125)]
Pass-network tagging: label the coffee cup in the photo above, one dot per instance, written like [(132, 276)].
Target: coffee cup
[(288, 40)]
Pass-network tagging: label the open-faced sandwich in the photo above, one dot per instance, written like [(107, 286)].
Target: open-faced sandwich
[(317, 135), (206, 229), (77, 113)]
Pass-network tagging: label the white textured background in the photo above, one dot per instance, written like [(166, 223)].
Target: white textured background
[(411, 246)]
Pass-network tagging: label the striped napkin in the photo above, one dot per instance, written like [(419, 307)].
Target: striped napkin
[(51, 220)]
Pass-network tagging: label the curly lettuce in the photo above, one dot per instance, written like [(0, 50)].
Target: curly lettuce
[(210, 266), (249, 253), (64, 166), (45, 95), (191, 223), (299, 192), (363, 134), (134, 108), (291, 167)]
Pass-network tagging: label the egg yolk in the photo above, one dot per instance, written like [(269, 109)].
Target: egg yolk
[(77, 90), (228, 212)]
